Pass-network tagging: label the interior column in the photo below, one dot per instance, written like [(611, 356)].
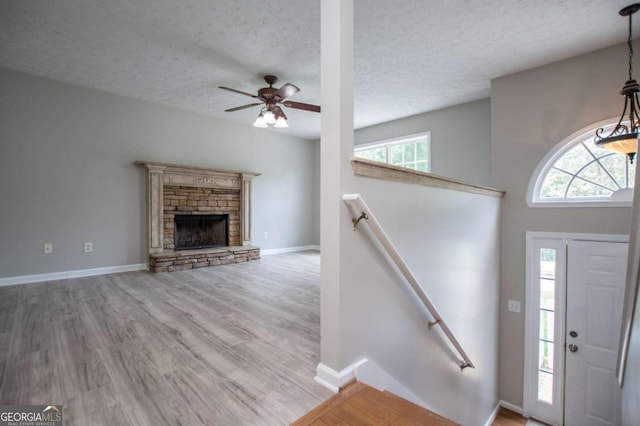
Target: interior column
[(336, 149)]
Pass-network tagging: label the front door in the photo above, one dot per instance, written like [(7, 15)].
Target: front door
[(595, 289), (575, 290)]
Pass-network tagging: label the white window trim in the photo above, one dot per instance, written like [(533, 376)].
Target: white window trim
[(531, 404), (537, 178), (398, 141)]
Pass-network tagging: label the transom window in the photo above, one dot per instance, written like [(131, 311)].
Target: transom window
[(412, 152), (578, 172)]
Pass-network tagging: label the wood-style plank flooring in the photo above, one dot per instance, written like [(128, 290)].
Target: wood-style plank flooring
[(359, 404), (230, 345), (507, 417)]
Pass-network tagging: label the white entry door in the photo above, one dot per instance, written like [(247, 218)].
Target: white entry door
[(575, 288), (595, 288)]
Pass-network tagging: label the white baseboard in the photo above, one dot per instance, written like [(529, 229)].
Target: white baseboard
[(288, 250), (511, 407), (334, 380), (493, 415), (26, 279)]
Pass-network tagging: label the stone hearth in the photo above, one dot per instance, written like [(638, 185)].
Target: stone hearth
[(182, 190)]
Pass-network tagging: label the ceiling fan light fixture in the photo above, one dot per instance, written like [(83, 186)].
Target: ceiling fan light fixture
[(281, 123), (269, 117), (260, 122), (269, 99), (623, 139)]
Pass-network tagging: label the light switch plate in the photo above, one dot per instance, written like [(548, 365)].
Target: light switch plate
[(514, 306)]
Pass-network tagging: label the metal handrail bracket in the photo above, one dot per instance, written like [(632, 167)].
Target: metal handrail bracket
[(356, 201)]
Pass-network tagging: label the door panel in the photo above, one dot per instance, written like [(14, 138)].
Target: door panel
[(595, 287)]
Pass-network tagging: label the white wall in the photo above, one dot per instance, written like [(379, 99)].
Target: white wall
[(531, 112), (450, 240), (460, 139), (66, 173)]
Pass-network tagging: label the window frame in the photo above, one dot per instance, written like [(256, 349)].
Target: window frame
[(532, 404), (537, 178), (388, 143)]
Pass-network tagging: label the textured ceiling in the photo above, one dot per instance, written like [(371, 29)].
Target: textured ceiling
[(411, 56)]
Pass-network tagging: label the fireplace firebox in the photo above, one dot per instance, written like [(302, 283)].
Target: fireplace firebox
[(200, 231)]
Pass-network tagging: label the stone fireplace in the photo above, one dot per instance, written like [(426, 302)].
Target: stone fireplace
[(197, 217)]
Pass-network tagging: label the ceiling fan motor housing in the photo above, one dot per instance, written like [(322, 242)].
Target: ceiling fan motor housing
[(266, 94)]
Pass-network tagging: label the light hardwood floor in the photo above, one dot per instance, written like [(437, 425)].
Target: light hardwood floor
[(359, 404), (230, 345)]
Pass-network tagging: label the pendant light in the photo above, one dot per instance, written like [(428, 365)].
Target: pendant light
[(623, 139)]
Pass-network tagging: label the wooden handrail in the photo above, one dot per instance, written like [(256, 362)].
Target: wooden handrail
[(356, 201)]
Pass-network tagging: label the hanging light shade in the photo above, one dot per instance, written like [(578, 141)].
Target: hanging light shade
[(281, 118), (260, 121), (281, 122), (623, 139), (269, 117)]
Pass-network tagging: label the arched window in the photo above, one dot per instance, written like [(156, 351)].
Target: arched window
[(577, 172)]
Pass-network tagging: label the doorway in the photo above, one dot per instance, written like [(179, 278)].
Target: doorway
[(575, 286)]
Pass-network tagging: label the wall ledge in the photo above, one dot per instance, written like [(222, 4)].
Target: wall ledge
[(374, 169)]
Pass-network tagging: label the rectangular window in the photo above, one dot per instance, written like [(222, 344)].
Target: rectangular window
[(544, 334), (412, 152)]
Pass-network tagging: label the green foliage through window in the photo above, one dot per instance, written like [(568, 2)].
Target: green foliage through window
[(584, 171)]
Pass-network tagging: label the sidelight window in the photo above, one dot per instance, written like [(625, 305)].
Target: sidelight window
[(546, 339)]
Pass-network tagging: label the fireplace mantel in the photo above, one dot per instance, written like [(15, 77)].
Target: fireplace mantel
[(161, 175)]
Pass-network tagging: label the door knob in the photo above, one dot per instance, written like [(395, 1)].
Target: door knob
[(573, 348)]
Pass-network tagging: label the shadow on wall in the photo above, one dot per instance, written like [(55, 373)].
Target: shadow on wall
[(454, 255)]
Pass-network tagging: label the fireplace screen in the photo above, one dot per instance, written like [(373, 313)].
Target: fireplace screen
[(200, 231)]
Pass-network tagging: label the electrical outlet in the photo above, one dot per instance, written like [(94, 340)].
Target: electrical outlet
[(48, 248), (88, 247), (266, 235), (514, 306)]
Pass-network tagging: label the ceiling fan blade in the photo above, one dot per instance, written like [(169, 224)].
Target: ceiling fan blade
[(237, 91), (300, 105), (242, 107), (287, 90)]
